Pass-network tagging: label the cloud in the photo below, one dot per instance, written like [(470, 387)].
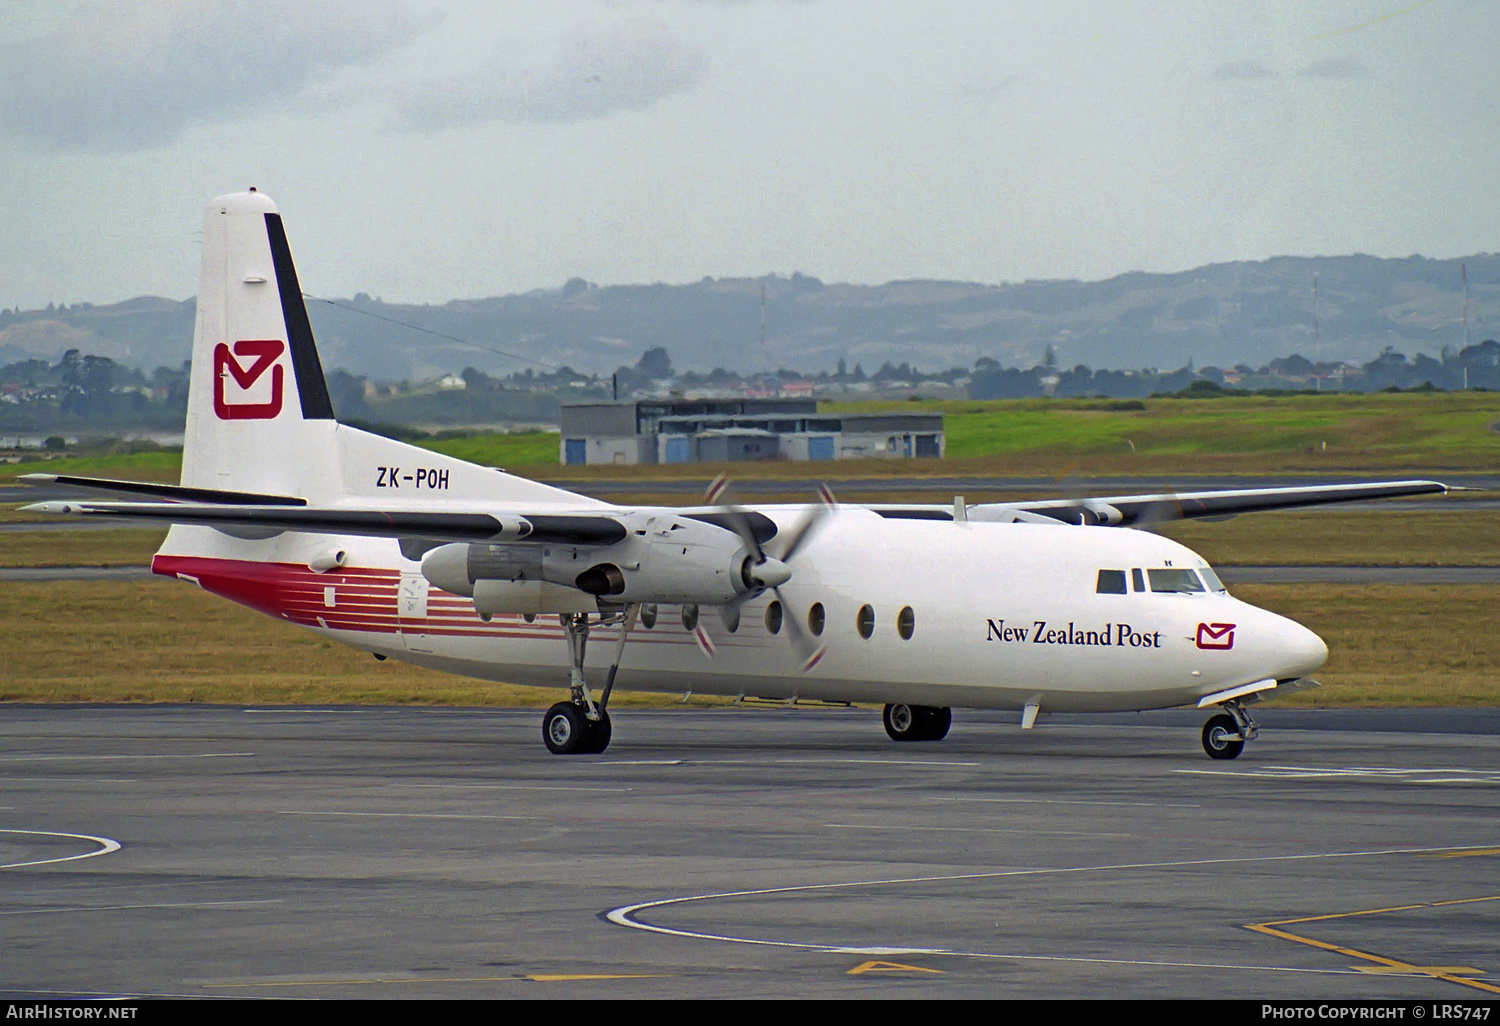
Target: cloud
[(1239, 70), (134, 76), (1333, 67), (597, 69)]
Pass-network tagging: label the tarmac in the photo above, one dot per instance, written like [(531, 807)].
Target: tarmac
[(374, 852)]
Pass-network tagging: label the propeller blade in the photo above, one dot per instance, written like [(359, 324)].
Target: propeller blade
[(704, 641), (810, 521), (807, 649), (717, 493)]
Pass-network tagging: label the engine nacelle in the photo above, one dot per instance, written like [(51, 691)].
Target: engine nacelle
[(665, 559), (491, 597)]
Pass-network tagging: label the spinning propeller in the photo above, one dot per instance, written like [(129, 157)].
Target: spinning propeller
[(764, 572)]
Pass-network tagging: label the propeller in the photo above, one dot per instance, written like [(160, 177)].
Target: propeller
[(764, 572)]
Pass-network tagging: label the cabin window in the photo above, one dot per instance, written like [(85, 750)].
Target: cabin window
[(816, 617), (906, 622), (773, 617), (1111, 582), (1211, 579), (689, 617), (1174, 581), (648, 615), (865, 621), (1138, 578)]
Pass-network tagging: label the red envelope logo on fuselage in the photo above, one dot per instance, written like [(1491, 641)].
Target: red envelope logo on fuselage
[(1216, 635), (263, 354)]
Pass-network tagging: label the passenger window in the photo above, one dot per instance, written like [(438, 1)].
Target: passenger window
[(1174, 581), (1111, 582), (816, 619), (1138, 578), (865, 622), (689, 617), (773, 618), (906, 623)]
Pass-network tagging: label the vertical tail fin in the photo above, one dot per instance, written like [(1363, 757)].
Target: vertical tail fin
[(259, 416)]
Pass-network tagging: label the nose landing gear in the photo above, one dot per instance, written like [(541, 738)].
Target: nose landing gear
[(1225, 734)]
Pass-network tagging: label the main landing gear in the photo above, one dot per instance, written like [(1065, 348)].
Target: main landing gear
[(581, 725), (1225, 734), (916, 722)]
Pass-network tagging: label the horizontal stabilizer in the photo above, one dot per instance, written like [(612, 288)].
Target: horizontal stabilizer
[(164, 491)]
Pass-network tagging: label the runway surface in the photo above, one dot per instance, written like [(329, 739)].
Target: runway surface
[(381, 852)]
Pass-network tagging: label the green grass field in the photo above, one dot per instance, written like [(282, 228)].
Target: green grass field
[(1403, 433)]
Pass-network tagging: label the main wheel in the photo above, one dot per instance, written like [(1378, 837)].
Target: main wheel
[(916, 722), (938, 722), (599, 733), (1221, 737), (565, 730), (902, 723)]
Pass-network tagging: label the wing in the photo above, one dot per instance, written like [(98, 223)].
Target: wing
[(265, 514), (1139, 510)]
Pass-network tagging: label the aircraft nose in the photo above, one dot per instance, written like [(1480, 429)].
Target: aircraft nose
[(1300, 650)]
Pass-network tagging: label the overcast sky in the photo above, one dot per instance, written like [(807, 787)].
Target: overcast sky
[(422, 150)]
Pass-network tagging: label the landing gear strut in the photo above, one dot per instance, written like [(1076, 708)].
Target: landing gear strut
[(1225, 734), (581, 725), (916, 722)]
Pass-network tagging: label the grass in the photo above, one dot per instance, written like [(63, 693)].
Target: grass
[(131, 547), (1405, 433), (1394, 645), (164, 641)]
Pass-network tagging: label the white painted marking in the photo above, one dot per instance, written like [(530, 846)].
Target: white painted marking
[(397, 815), (908, 828), (120, 908), (329, 597), (930, 763), (516, 787), (1074, 801), (635, 762), (624, 915), (1399, 775), (100, 758), (105, 847)]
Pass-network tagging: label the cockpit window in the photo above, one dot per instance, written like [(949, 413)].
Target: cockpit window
[(1173, 580), (1211, 579), (1111, 582)]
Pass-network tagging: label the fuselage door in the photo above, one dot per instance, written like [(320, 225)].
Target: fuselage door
[(411, 612)]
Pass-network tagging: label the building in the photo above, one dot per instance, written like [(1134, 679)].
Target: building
[(728, 430)]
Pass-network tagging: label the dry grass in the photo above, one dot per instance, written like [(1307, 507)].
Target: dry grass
[(1394, 645), (1456, 537), (163, 641), (129, 547)]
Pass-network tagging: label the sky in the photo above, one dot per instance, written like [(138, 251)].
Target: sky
[(425, 150)]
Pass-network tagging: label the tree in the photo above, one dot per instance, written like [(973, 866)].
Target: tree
[(655, 363)]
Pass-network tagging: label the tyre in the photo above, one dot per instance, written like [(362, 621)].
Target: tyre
[(565, 729), (938, 722), (901, 722), (1221, 737), (599, 734)]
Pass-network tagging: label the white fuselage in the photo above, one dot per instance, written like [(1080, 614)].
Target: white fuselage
[(1002, 616)]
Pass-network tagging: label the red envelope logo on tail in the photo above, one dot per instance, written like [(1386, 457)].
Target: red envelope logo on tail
[(263, 354), (1216, 635)]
